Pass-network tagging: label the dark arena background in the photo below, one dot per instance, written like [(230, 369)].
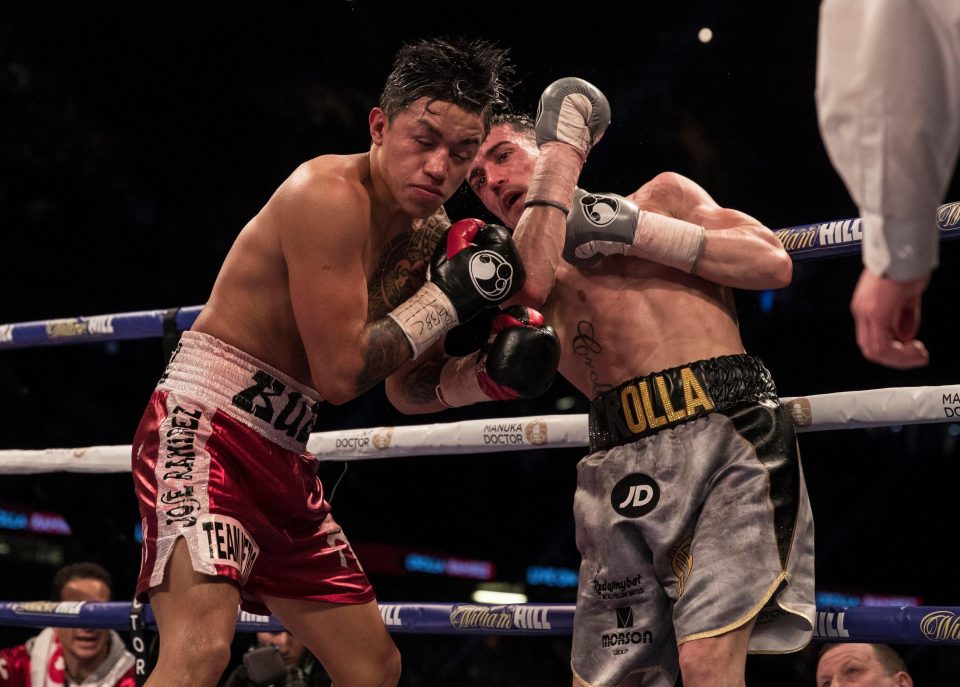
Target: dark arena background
[(136, 140)]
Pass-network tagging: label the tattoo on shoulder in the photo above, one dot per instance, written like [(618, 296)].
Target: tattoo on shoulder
[(402, 268), (432, 228)]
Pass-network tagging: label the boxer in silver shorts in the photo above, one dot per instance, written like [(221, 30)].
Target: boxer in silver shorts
[(670, 453), (692, 516)]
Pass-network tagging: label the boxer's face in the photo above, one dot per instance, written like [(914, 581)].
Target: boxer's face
[(424, 153), (84, 645), (501, 172)]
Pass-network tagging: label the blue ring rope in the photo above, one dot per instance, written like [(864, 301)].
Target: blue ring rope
[(803, 242), (897, 625)]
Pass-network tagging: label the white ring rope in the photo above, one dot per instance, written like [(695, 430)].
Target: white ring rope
[(843, 410)]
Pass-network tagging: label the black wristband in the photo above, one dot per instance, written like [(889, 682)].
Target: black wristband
[(551, 203)]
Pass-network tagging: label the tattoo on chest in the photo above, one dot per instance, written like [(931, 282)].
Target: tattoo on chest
[(403, 266), (586, 345)]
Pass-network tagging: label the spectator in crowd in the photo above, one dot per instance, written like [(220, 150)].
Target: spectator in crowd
[(861, 665), (62, 656), (281, 660)]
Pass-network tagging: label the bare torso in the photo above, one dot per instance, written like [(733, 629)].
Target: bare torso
[(632, 317), (251, 307), (625, 317)]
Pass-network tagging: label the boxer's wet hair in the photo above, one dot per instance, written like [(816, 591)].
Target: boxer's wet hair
[(471, 74), (85, 570), (517, 121)]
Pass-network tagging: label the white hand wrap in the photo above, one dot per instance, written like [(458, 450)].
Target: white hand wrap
[(459, 385), (554, 177), (669, 241), (424, 317)]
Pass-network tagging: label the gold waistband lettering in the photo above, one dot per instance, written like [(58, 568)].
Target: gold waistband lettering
[(636, 420), (640, 404), (645, 405), (693, 394), (672, 415), (652, 417)]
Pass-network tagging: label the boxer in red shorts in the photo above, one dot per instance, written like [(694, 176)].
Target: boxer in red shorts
[(323, 295), (225, 467)]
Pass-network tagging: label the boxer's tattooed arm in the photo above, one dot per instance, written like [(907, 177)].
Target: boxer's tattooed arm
[(385, 291), (402, 270), (403, 265), (384, 350), (420, 386)]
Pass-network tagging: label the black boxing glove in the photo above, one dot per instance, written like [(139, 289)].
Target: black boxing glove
[(474, 266), (471, 336), (519, 360)]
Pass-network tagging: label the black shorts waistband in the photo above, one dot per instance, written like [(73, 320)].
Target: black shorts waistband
[(643, 406)]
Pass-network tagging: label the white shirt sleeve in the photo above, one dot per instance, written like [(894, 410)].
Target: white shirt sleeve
[(888, 105)]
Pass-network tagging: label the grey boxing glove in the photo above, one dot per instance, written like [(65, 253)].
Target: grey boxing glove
[(607, 224), (572, 111), (595, 220), (575, 113)]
